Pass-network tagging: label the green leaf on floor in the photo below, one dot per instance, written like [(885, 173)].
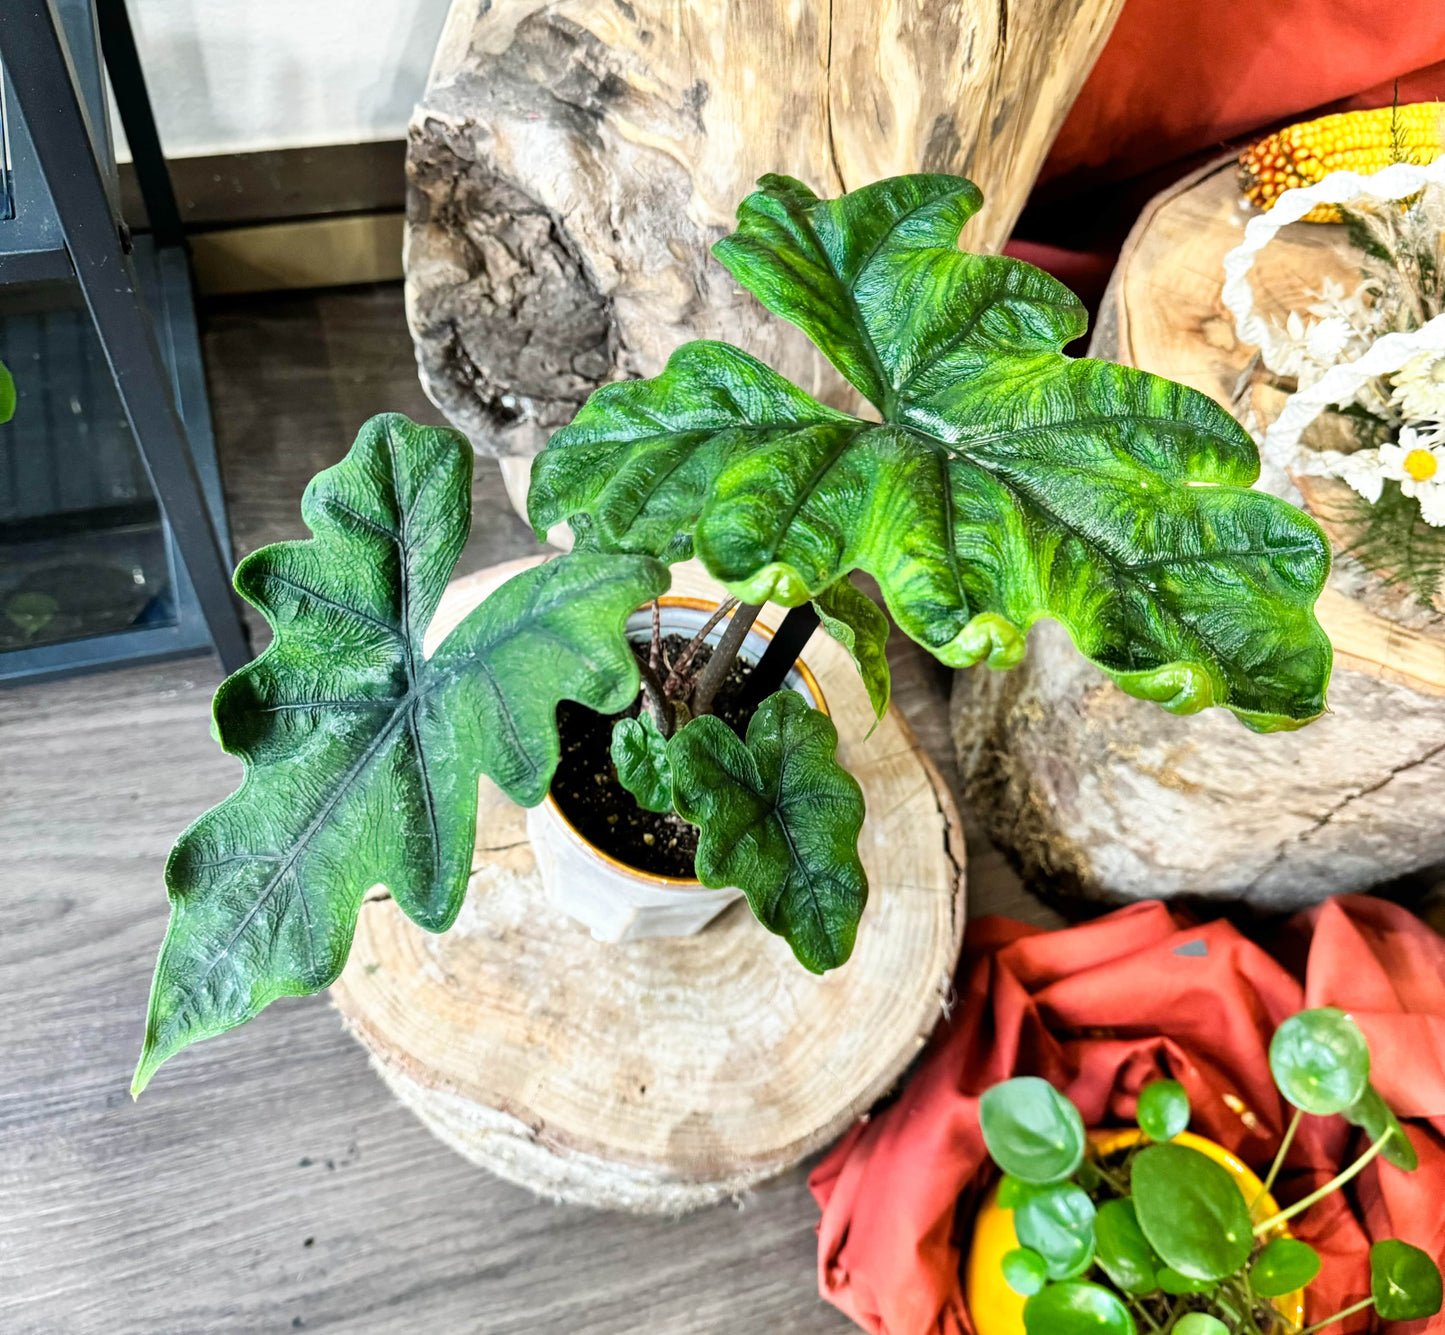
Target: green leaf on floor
[(361, 755), (7, 394), (1005, 482), (778, 818)]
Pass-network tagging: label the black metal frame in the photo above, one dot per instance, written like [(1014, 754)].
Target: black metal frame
[(96, 248)]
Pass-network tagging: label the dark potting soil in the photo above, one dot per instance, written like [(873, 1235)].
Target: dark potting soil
[(600, 809)]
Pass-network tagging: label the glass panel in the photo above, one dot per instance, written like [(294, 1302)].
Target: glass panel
[(7, 194), (82, 548)]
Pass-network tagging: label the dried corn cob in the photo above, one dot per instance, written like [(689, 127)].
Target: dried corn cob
[(1361, 141)]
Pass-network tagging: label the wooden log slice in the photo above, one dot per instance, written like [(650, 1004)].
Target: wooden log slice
[(663, 1075), (572, 161), (1106, 795)]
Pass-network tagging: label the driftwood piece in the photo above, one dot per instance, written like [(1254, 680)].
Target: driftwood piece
[(663, 1075), (1112, 797), (571, 163)]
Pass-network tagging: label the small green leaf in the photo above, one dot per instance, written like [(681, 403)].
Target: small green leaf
[(7, 394), (361, 754), (1077, 1308), (1014, 1191), (1373, 1116), (1191, 1211), (1200, 1323), (779, 819), (1031, 1130), (855, 621), (1163, 1110), (1058, 1223), (1024, 1271), (639, 750), (1320, 1061), (1285, 1264), (1404, 1281), (1171, 1281), (1123, 1250)]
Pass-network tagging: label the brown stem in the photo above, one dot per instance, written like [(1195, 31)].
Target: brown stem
[(656, 699), (723, 657), (654, 653), (684, 661)]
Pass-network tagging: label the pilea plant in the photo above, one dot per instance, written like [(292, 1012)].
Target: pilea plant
[(1158, 1237), (1000, 482)]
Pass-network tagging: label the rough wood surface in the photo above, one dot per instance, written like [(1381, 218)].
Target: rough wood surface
[(1111, 797), (572, 161), (659, 1076)]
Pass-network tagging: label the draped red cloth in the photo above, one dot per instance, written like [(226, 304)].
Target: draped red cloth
[(1099, 1010)]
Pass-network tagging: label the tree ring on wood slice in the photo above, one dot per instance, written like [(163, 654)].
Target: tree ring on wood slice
[(1099, 794), (660, 1076)]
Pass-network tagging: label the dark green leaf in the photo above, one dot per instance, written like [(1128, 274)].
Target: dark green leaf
[(853, 619), (1123, 1250), (1200, 1323), (1031, 1130), (361, 756), (1192, 1211), (1006, 483), (1077, 1308), (1014, 1191), (7, 394), (1285, 1264), (1404, 1281), (1373, 1116), (779, 819), (639, 751), (1058, 1223), (1024, 1271), (1171, 1281), (1163, 1110), (1320, 1061)]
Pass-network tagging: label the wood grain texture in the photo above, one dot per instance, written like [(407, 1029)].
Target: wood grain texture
[(571, 163), (268, 1181), (1110, 796), (663, 1075)]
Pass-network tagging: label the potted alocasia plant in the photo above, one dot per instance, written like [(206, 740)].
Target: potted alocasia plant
[(1156, 1230), (999, 482)]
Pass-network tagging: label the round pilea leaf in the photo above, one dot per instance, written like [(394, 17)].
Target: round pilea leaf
[(1014, 1191), (1025, 1271), (1200, 1323), (1077, 1308), (1285, 1264), (1163, 1110), (1171, 1281), (1191, 1211), (1373, 1116), (1320, 1061), (1123, 1250), (1032, 1131), (1058, 1223), (1404, 1281)]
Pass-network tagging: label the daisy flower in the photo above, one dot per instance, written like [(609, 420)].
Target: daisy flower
[(1420, 386), (1417, 463)]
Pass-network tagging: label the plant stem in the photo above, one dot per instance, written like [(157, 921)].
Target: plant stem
[(684, 660), (1333, 1184), (654, 652), (1338, 1316), (1144, 1312), (723, 657), (1278, 1159), (657, 704)]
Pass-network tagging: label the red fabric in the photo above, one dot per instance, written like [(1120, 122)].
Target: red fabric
[(1098, 1010), (1177, 78)]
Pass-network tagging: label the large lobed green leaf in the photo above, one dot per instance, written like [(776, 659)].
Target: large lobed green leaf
[(361, 756), (1005, 483), (778, 818)]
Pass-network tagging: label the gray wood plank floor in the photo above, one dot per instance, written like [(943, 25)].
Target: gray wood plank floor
[(267, 1182)]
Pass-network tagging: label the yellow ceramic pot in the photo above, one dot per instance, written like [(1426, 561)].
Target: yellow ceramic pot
[(998, 1310)]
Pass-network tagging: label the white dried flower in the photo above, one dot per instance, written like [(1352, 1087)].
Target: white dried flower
[(1420, 387)]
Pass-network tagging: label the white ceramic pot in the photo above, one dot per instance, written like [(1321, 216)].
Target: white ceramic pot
[(614, 901)]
